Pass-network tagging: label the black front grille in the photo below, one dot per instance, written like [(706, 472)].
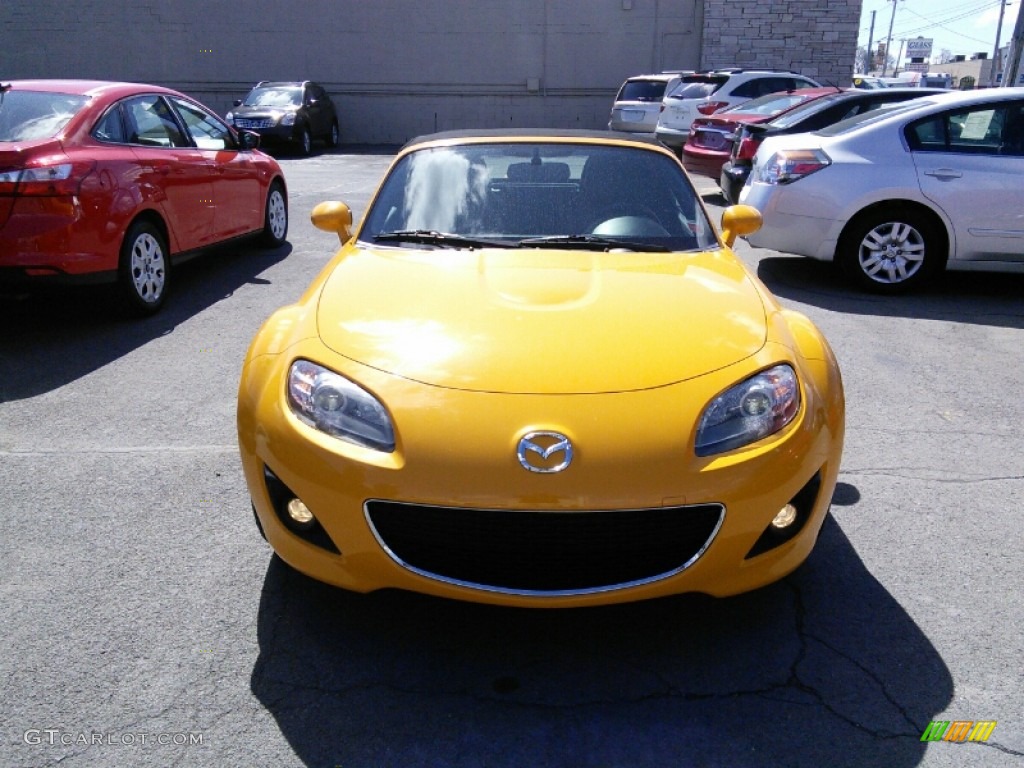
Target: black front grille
[(526, 551)]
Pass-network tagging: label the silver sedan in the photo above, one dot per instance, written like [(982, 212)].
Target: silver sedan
[(897, 194)]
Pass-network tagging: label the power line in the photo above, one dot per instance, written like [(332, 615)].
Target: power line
[(957, 15)]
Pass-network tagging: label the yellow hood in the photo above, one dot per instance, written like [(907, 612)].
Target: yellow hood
[(541, 321)]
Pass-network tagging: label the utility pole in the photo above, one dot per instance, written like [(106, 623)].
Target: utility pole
[(871, 40), (888, 40), (1012, 68), (996, 63)]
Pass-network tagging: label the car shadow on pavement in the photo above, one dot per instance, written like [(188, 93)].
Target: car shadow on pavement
[(823, 668), (51, 337), (980, 298)]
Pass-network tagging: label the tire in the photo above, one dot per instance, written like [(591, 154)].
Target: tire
[(334, 136), (275, 216), (304, 144), (891, 251), (144, 268)]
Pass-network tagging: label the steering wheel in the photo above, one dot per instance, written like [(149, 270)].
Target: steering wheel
[(626, 220)]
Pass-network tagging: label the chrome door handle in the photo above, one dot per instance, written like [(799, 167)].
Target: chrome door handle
[(944, 173)]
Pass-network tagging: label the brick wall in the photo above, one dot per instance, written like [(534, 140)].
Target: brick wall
[(813, 37)]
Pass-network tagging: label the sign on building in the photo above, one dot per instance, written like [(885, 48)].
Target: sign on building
[(919, 48)]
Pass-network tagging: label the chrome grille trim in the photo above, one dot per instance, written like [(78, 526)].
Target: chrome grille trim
[(542, 593)]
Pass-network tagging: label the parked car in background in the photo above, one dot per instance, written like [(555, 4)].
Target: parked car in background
[(294, 114), (894, 194), (118, 182), (936, 80), (711, 138), (461, 433), (705, 93), (638, 102), (868, 82), (810, 116)]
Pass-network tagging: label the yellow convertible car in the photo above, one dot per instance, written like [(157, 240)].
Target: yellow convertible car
[(536, 375)]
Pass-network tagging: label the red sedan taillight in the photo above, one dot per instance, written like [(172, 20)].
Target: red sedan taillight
[(49, 180), (710, 107), (747, 148)]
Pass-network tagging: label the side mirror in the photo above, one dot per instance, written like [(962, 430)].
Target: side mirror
[(248, 140), (739, 220), (333, 216), (237, 102)]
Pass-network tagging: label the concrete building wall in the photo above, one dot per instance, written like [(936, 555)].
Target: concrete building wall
[(398, 68)]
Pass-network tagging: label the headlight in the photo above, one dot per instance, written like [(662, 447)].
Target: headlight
[(288, 118), (230, 117), (335, 405), (755, 408)]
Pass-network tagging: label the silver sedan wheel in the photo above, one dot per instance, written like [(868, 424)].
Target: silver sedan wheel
[(277, 214), (148, 268), (892, 253)]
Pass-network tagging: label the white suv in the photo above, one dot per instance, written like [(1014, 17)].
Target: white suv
[(704, 93), (638, 102)]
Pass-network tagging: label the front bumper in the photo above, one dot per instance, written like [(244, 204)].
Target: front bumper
[(269, 134), (457, 478)]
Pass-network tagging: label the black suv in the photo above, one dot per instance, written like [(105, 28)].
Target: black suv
[(292, 113)]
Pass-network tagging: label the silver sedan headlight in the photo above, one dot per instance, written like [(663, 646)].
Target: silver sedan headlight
[(748, 411), (333, 404)]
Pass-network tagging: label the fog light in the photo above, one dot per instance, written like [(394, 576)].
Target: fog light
[(784, 519), (299, 512)]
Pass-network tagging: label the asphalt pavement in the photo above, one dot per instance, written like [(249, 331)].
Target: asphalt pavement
[(145, 622)]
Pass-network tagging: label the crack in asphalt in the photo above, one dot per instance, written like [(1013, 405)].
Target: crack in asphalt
[(915, 473)]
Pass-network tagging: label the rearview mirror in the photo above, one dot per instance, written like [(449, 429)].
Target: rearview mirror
[(738, 221), (248, 140), (333, 216)]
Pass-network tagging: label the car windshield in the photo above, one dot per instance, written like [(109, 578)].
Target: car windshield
[(274, 96), (871, 116), (770, 104), (526, 194), (642, 90), (697, 87), (29, 115)]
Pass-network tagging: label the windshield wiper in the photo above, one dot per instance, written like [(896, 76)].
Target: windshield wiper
[(432, 237), (589, 243)]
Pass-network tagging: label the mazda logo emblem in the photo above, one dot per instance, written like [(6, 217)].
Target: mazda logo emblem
[(551, 452)]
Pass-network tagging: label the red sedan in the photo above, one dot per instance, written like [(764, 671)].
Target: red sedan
[(710, 141), (117, 182)]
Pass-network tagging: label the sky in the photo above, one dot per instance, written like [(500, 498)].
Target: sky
[(961, 26)]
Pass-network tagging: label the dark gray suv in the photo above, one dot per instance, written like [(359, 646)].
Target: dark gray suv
[(289, 113)]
